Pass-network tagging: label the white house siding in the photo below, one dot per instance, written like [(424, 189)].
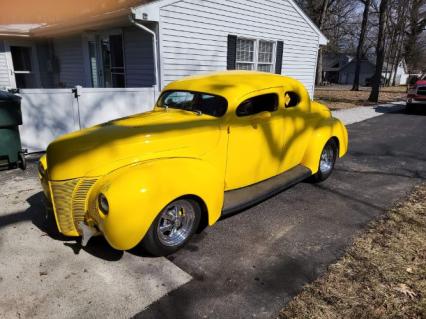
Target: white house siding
[(193, 36), (69, 54), (4, 70), (138, 58)]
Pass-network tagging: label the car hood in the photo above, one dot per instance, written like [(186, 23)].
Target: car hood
[(160, 133)]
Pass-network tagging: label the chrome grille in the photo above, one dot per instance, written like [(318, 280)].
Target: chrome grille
[(62, 201), (70, 202), (79, 200)]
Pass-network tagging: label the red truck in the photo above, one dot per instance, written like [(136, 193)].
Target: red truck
[(417, 92)]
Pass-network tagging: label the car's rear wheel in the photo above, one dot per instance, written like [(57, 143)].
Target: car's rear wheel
[(326, 162), (173, 227)]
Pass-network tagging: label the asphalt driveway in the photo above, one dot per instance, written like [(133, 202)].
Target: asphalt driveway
[(251, 264), (248, 265)]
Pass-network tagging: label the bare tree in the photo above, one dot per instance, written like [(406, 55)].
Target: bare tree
[(324, 8), (380, 53), (360, 47), (398, 54), (416, 26)]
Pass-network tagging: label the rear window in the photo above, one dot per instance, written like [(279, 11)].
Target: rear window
[(198, 102), (257, 104)]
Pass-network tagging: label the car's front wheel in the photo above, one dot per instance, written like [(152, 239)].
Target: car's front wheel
[(327, 161), (173, 227)]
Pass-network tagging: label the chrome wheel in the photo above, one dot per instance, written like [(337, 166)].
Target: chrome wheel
[(176, 223), (327, 159)]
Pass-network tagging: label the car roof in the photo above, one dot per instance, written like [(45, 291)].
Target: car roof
[(230, 84)]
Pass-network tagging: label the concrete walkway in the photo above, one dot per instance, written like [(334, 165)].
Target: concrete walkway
[(362, 113)]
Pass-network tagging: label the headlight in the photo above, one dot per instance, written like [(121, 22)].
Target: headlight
[(103, 203)]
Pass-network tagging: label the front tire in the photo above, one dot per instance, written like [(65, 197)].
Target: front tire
[(173, 227), (327, 161)]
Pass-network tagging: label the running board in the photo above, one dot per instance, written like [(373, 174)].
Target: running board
[(242, 198)]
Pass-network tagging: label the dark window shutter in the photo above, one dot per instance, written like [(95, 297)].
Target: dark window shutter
[(279, 60), (232, 52)]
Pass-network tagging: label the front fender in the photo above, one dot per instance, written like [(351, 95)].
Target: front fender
[(137, 193), (326, 129)]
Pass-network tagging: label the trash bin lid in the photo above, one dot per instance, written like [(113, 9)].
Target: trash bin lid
[(6, 96)]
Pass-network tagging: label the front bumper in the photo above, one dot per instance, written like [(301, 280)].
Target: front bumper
[(416, 99)]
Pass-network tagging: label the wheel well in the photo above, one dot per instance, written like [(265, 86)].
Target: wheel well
[(204, 222), (336, 140)]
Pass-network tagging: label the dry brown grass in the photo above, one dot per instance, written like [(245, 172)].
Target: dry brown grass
[(341, 97), (383, 275)]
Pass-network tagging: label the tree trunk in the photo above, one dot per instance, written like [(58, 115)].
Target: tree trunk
[(319, 78), (394, 53), (355, 86), (398, 57), (375, 90)]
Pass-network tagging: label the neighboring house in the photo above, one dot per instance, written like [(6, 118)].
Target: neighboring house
[(340, 68), (402, 74), (347, 72), (143, 48), (332, 64)]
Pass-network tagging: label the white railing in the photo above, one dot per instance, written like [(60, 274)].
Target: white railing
[(49, 113)]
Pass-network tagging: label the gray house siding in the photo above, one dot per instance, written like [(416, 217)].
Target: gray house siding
[(347, 73), (4, 70), (193, 36), (138, 58), (45, 64), (69, 54)]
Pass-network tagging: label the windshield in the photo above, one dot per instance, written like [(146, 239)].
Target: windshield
[(197, 102)]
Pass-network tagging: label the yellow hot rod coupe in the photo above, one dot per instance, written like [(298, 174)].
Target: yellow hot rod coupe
[(213, 145)]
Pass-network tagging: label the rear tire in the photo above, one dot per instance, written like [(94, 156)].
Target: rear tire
[(327, 160), (172, 228)]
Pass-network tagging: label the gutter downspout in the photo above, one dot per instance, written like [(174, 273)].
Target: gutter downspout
[(155, 43)]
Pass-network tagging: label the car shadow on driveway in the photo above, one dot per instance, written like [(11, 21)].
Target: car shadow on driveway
[(44, 220)]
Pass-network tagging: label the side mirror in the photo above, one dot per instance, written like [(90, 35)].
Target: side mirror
[(262, 116)]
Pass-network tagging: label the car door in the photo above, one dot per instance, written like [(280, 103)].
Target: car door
[(255, 139)]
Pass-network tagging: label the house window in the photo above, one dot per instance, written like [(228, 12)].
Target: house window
[(21, 58), (106, 58), (255, 55), (245, 54), (266, 56)]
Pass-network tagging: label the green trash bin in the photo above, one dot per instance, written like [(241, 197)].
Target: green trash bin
[(11, 153)]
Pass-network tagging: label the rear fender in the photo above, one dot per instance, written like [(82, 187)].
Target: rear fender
[(137, 193), (326, 129)]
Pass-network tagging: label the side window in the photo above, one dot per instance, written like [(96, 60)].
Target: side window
[(257, 104), (291, 99)]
